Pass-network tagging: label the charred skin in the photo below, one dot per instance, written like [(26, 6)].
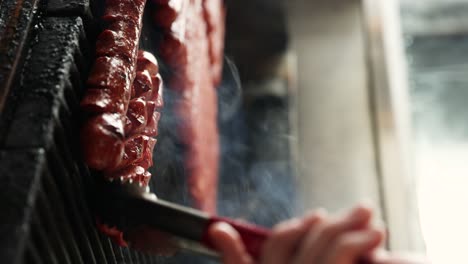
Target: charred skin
[(193, 47)]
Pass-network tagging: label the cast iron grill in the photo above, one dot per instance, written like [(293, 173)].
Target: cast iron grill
[(46, 218)]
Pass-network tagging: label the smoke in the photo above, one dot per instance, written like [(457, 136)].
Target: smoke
[(256, 174), (230, 92), (169, 179)]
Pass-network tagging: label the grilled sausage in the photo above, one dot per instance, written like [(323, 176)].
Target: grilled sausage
[(121, 102), (110, 83), (102, 140), (192, 47)]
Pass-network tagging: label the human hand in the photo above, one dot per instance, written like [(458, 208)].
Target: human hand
[(316, 238)]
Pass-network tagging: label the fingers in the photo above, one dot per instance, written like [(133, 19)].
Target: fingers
[(352, 245), (312, 239), (286, 237), (321, 237), (229, 243)]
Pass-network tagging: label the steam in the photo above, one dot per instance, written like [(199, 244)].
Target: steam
[(230, 92)]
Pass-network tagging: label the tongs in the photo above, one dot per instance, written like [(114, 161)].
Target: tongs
[(129, 205)]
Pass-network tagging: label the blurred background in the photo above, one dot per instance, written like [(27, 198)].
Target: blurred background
[(435, 39), (381, 92), (377, 99)]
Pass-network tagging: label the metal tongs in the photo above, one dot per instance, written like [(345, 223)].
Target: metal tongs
[(129, 205)]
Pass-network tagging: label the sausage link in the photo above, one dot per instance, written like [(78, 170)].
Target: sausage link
[(124, 10), (137, 117), (186, 49), (110, 83), (167, 12), (138, 151), (147, 61), (102, 140)]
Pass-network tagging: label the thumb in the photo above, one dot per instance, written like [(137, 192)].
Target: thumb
[(229, 243)]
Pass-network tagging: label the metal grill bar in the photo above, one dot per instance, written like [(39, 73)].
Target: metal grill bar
[(48, 224), (41, 240), (20, 177), (57, 207), (32, 255), (127, 256), (14, 31), (119, 257)]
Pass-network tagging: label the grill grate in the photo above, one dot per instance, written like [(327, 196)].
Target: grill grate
[(44, 183)]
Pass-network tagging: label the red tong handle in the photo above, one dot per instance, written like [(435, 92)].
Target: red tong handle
[(252, 236)]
